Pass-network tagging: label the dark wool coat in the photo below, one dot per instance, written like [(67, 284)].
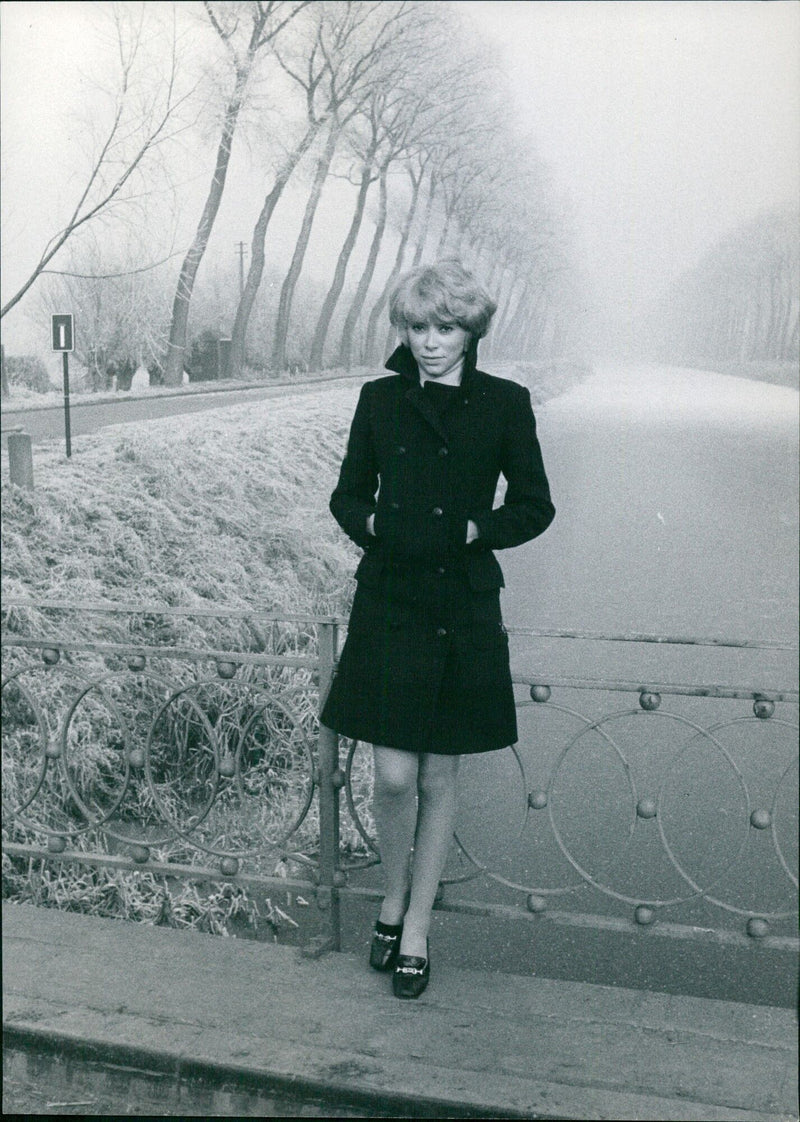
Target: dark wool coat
[(425, 665)]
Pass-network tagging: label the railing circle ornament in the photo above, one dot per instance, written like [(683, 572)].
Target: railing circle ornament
[(757, 928)]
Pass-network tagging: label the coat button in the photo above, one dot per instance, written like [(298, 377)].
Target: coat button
[(401, 450), (395, 506), (443, 452), (441, 632), (437, 512), (441, 570)]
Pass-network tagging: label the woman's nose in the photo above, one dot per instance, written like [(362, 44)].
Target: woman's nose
[(430, 336)]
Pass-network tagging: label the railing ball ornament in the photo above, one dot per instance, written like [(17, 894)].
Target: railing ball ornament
[(227, 767), (537, 800), (53, 750), (761, 819), (646, 808), (757, 928), (50, 656), (229, 866), (136, 758), (339, 878), (56, 844), (536, 904), (763, 708), (338, 778), (644, 916), (140, 854), (649, 700), (540, 693), (226, 669), (137, 663)]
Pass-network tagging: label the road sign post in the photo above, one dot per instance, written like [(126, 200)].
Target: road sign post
[(64, 341)]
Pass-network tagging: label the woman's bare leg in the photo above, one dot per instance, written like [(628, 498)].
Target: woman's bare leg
[(436, 784), (395, 808)]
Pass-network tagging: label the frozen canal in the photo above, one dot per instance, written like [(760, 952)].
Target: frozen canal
[(677, 510), (677, 500)]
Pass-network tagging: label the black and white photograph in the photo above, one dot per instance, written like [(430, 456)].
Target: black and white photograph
[(400, 501)]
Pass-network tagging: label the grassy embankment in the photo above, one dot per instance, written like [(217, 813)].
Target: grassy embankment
[(223, 509)]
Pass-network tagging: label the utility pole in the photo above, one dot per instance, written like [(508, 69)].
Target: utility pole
[(241, 248)]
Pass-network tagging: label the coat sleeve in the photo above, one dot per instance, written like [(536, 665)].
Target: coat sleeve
[(527, 510), (353, 499)]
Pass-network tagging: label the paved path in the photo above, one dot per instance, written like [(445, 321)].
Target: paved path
[(43, 423), (484, 1044)]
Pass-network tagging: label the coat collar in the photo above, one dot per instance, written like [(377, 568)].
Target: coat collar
[(402, 362)]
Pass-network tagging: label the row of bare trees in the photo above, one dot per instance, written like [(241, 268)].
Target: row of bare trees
[(387, 96), (742, 301)]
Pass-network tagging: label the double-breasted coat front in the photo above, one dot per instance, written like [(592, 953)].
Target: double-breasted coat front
[(425, 664)]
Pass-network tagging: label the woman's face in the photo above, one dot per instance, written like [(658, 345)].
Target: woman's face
[(437, 347)]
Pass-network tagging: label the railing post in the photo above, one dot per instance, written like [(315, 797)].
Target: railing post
[(330, 783), (20, 459)]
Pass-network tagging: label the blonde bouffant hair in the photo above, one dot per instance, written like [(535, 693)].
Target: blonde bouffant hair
[(444, 293)]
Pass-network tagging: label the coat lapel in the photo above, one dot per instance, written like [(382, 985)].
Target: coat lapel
[(401, 361), (416, 395)]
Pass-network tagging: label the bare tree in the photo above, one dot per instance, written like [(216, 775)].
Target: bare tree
[(739, 303), (354, 39), (439, 120), (145, 116), (245, 30), (120, 308), (395, 117)]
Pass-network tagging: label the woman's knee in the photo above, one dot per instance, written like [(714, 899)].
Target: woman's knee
[(437, 777), (395, 772)]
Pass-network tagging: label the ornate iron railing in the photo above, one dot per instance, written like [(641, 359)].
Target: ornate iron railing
[(133, 755)]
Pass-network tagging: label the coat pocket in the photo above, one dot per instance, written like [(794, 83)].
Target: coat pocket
[(484, 572)]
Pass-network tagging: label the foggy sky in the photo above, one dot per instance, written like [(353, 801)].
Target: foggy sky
[(665, 123), (668, 122)]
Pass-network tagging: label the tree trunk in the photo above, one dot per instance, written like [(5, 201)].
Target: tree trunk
[(426, 222), (504, 304), (335, 291), (289, 285), (445, 234), (346, 343), (257, 255), (5, 390), (405, 232), (176, 347)]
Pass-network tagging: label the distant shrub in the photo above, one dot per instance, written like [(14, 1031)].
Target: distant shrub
[(28, 371), (203, 363)]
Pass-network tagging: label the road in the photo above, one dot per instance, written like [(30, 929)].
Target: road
[(89, 416)]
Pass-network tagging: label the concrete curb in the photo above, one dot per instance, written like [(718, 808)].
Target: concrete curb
[(182, 1067), (476, 1044)]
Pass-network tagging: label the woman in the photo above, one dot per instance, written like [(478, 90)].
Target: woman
[(424, 673)]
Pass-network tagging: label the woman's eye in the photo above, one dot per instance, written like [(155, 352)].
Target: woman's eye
[(418, 327), (445, 328)]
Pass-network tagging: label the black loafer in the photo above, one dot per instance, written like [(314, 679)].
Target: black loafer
[(385, 945), (411, 975)]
